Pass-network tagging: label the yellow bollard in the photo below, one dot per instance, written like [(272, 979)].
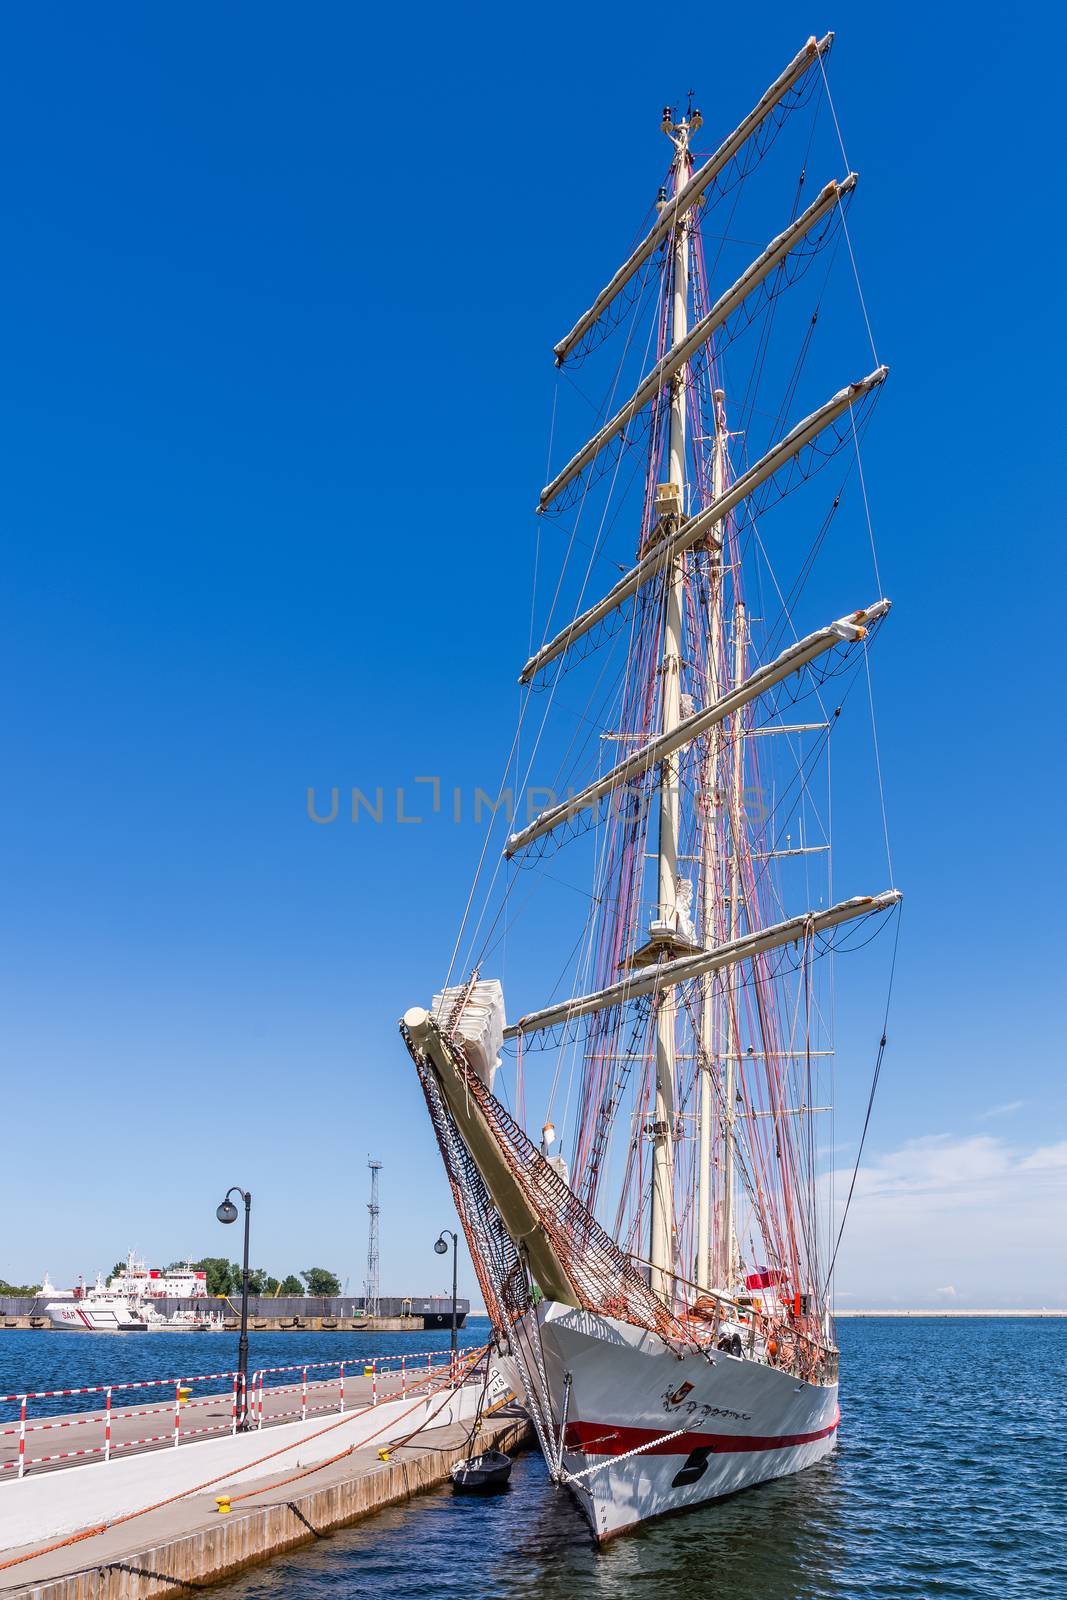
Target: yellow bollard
[(183, 1396), (223, 1503), (368, 1372), (383, 1455)]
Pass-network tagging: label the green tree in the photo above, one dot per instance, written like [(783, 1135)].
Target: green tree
[(259, 1280), (320, 1281), (290, 1285), (19, 1288), (220, 1278)]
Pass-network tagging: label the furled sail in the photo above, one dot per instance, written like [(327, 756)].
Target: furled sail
[(669, 974), (847, 630), (691, 532), (677, 357), (701, 180)]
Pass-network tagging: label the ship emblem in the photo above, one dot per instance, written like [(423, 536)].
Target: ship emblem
[(678, 1396)]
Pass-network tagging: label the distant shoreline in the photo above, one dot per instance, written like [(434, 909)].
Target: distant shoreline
[(1044, 1311)]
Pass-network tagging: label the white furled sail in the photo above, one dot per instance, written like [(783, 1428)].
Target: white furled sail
[(847, 630), (475, 1014), (670, 974), (691, 192)]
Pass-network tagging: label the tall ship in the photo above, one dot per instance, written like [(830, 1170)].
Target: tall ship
[(658, 1267)]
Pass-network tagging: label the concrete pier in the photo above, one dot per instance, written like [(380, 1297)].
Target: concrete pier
[(188, 1544), (302, 1323)]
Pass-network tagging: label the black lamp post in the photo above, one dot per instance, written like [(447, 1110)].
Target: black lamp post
[(442, 1250), (227, 1212)]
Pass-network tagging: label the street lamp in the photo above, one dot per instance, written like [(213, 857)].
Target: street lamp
[(442, 1250), (227, 1212)]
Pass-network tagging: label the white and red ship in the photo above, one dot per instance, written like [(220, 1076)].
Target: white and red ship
[(136, 1281), (660, 1294)]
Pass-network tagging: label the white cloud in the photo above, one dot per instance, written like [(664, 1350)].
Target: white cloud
[(1047, 1156), (971, 1218), (1002, 1111)]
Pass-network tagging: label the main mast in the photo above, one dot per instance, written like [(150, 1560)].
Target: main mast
[(661, 1247), (728, 1238), (705, 1268)]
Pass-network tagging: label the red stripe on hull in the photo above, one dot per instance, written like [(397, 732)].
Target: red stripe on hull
[(601, 1439)]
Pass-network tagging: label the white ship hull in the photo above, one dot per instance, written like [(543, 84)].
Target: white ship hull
[(89, 1316), (703, 1426)]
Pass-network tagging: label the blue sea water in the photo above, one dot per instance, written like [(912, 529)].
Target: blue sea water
[(950, 1479)]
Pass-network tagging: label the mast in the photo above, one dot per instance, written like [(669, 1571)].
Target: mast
[(703, 1272), (733, 1025), (661, 1249)]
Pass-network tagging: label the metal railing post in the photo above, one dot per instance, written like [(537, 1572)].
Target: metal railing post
[(304, 1397), (177, 1409), (107, 1427), (341, 1404), (22, 1438)]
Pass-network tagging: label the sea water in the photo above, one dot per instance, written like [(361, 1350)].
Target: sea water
[(950, 1479)]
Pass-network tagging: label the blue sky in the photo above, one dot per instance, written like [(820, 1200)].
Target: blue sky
[(280, 292)]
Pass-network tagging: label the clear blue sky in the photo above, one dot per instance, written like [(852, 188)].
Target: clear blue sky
[(279, 289)]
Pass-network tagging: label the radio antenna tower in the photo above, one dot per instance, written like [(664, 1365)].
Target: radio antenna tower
[(372, 1285)]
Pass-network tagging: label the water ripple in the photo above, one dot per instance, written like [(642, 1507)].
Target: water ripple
[(950, 1480)]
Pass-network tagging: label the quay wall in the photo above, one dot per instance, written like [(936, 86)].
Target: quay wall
[(271, 1313), (227, 1545)]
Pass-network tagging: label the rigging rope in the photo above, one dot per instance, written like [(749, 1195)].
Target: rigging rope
[(848, 241), (870, 1103)]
